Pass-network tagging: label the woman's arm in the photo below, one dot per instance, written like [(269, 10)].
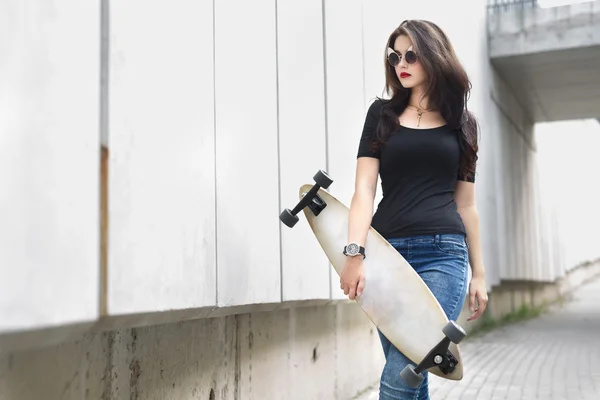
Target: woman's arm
[(361, 206), (464, 197), (352, 278)]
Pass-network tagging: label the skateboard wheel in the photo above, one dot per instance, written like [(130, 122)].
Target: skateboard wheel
[(288, 218), (411, 377), (322, 179), (454, 332)]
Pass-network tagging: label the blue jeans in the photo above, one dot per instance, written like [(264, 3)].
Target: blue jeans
[(442, 262)]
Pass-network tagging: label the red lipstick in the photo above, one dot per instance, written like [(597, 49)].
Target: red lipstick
[(404, 75)]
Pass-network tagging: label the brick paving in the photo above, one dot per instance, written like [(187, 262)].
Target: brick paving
[(555, 356)]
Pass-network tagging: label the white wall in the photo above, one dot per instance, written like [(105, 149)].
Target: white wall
[(49, 164), (346, 101), (161, 136), (302, 141), (215, 117)]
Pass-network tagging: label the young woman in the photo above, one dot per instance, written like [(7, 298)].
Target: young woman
[(423, 144)]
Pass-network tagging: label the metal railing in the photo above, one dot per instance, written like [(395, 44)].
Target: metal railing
[(496, 6)]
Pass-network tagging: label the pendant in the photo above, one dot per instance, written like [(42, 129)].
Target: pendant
[(419, 113)]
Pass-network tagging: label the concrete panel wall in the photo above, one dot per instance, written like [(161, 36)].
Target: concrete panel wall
[(346, 103), (302, 140), (162, 160), (248, 249), (294, 354), (518, 225), (49, 164)]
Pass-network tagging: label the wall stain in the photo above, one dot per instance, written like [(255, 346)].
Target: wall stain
[(238, 363), (135, 370), (107, 377)]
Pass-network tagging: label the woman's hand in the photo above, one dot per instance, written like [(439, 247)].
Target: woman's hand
[(352, 279), (477, 292)]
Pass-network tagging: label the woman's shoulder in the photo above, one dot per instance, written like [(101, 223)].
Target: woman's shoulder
[(376, 107), (377, 104)]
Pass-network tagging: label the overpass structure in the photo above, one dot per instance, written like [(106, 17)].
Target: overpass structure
[(545, 67), (549, 57)]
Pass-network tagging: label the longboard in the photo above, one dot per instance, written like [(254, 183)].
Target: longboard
[(395, 298)]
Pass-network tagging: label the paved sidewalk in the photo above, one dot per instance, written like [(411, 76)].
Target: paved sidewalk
[(555, 356)]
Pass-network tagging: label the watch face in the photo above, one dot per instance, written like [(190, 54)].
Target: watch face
[(352, 249)]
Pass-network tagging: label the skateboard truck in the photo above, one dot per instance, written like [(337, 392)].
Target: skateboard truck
[(439, 356), (311, 200)]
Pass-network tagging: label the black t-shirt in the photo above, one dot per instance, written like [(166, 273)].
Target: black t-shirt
[(419, 171)]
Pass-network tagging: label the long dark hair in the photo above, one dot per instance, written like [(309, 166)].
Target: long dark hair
[(448, 90)]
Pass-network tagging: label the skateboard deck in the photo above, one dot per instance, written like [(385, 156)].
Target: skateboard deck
[(395, 298)]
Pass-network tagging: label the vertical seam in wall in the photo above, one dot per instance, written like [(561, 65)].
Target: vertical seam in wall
[(278, 151), (104, 156), (324, 32), (215, 149)]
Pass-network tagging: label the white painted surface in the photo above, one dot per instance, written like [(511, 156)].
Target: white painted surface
[(49, 163), (247, 161), (346, 105), (161, 186), (302, 141)]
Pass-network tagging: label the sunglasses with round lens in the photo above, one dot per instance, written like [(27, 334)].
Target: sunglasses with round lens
[(394, 58)]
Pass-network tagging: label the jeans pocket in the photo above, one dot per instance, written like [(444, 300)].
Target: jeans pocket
[(452, 246)]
